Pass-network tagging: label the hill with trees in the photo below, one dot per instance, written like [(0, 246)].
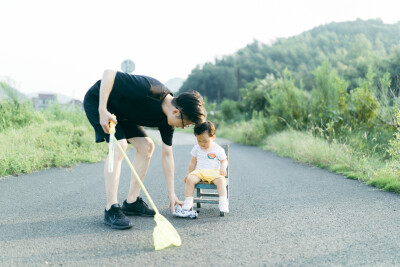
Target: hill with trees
[(353, 48)]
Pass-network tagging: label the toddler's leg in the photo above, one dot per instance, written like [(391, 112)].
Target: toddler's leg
[(221, 186), (223, 205), (189, 190)]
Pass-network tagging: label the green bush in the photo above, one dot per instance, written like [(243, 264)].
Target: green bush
[(363, 107), (251, 132), (288, 104), (58, 112), (328, 98), (230, 110), (254, 95), (14, 114), (32, 140), (394, 144)]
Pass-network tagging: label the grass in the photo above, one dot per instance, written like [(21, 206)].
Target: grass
[(50, 144), (247, 132), (336, 157), (33, 140)]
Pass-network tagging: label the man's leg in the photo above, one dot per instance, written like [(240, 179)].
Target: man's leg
[(144, 150), (112, 179), (113, 215)]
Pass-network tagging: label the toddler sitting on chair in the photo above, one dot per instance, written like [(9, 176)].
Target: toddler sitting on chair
[(208, 164)]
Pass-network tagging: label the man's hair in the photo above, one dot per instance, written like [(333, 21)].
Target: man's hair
[(206, 126), (191, 104)]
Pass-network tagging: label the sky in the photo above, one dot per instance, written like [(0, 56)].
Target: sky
[(64, 46)]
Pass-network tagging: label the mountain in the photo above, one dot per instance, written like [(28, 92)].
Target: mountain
[(8, 92), (174, 84)]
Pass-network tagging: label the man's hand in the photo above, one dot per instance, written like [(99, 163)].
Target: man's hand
[(223, 171), (173, 200), (105, 118)]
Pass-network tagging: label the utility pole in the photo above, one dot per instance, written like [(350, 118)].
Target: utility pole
[(238, 78)]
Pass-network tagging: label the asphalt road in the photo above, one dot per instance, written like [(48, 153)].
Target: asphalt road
[(282, 213)]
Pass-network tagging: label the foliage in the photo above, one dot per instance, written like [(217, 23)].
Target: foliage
[(213, 82), (254, 94), (49, 144), (14, 114), (363, 106), (33, 140), (287, 103), (328, 97), (230, 110), (57, 112), (351, 47), (394, 144), (249, 132)]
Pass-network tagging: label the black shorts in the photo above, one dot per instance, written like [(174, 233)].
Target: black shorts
[(125, 129)]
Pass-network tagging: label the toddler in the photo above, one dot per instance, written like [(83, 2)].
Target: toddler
[(209, 163)]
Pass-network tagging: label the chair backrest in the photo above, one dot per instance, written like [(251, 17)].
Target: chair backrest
[(226, 148)]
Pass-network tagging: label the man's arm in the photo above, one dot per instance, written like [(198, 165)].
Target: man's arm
[(167, 161), (106, 86)]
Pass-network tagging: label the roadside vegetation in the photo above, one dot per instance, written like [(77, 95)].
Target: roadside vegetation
[(353, 132), (327, 97), (31, 140)]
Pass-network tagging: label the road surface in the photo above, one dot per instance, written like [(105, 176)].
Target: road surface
[(282, 213)]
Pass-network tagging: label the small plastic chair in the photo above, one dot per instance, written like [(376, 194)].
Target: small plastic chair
[(212, 197)]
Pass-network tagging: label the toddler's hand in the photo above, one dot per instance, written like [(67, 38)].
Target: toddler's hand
[(223, 171)]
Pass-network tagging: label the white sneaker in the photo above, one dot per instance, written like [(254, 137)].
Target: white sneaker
[(223, 206), (179, 212)]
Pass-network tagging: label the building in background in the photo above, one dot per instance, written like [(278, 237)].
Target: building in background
[(76, 104), (42, 101)]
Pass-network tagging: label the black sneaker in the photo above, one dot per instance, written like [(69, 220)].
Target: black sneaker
[(115, 218), (137, 208)]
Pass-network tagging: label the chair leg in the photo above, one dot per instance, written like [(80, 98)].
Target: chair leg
[(199, 196)]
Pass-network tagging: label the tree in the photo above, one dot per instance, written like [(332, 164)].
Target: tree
[(328, 96)]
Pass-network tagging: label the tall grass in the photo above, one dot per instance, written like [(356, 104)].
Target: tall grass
[(57, 137), (251, 132), (15, 114), (305, 147)]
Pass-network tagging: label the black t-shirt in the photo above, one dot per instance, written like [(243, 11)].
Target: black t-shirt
[(138, 99)]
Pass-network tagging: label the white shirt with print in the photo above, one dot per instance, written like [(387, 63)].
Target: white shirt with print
[(208, 160)]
